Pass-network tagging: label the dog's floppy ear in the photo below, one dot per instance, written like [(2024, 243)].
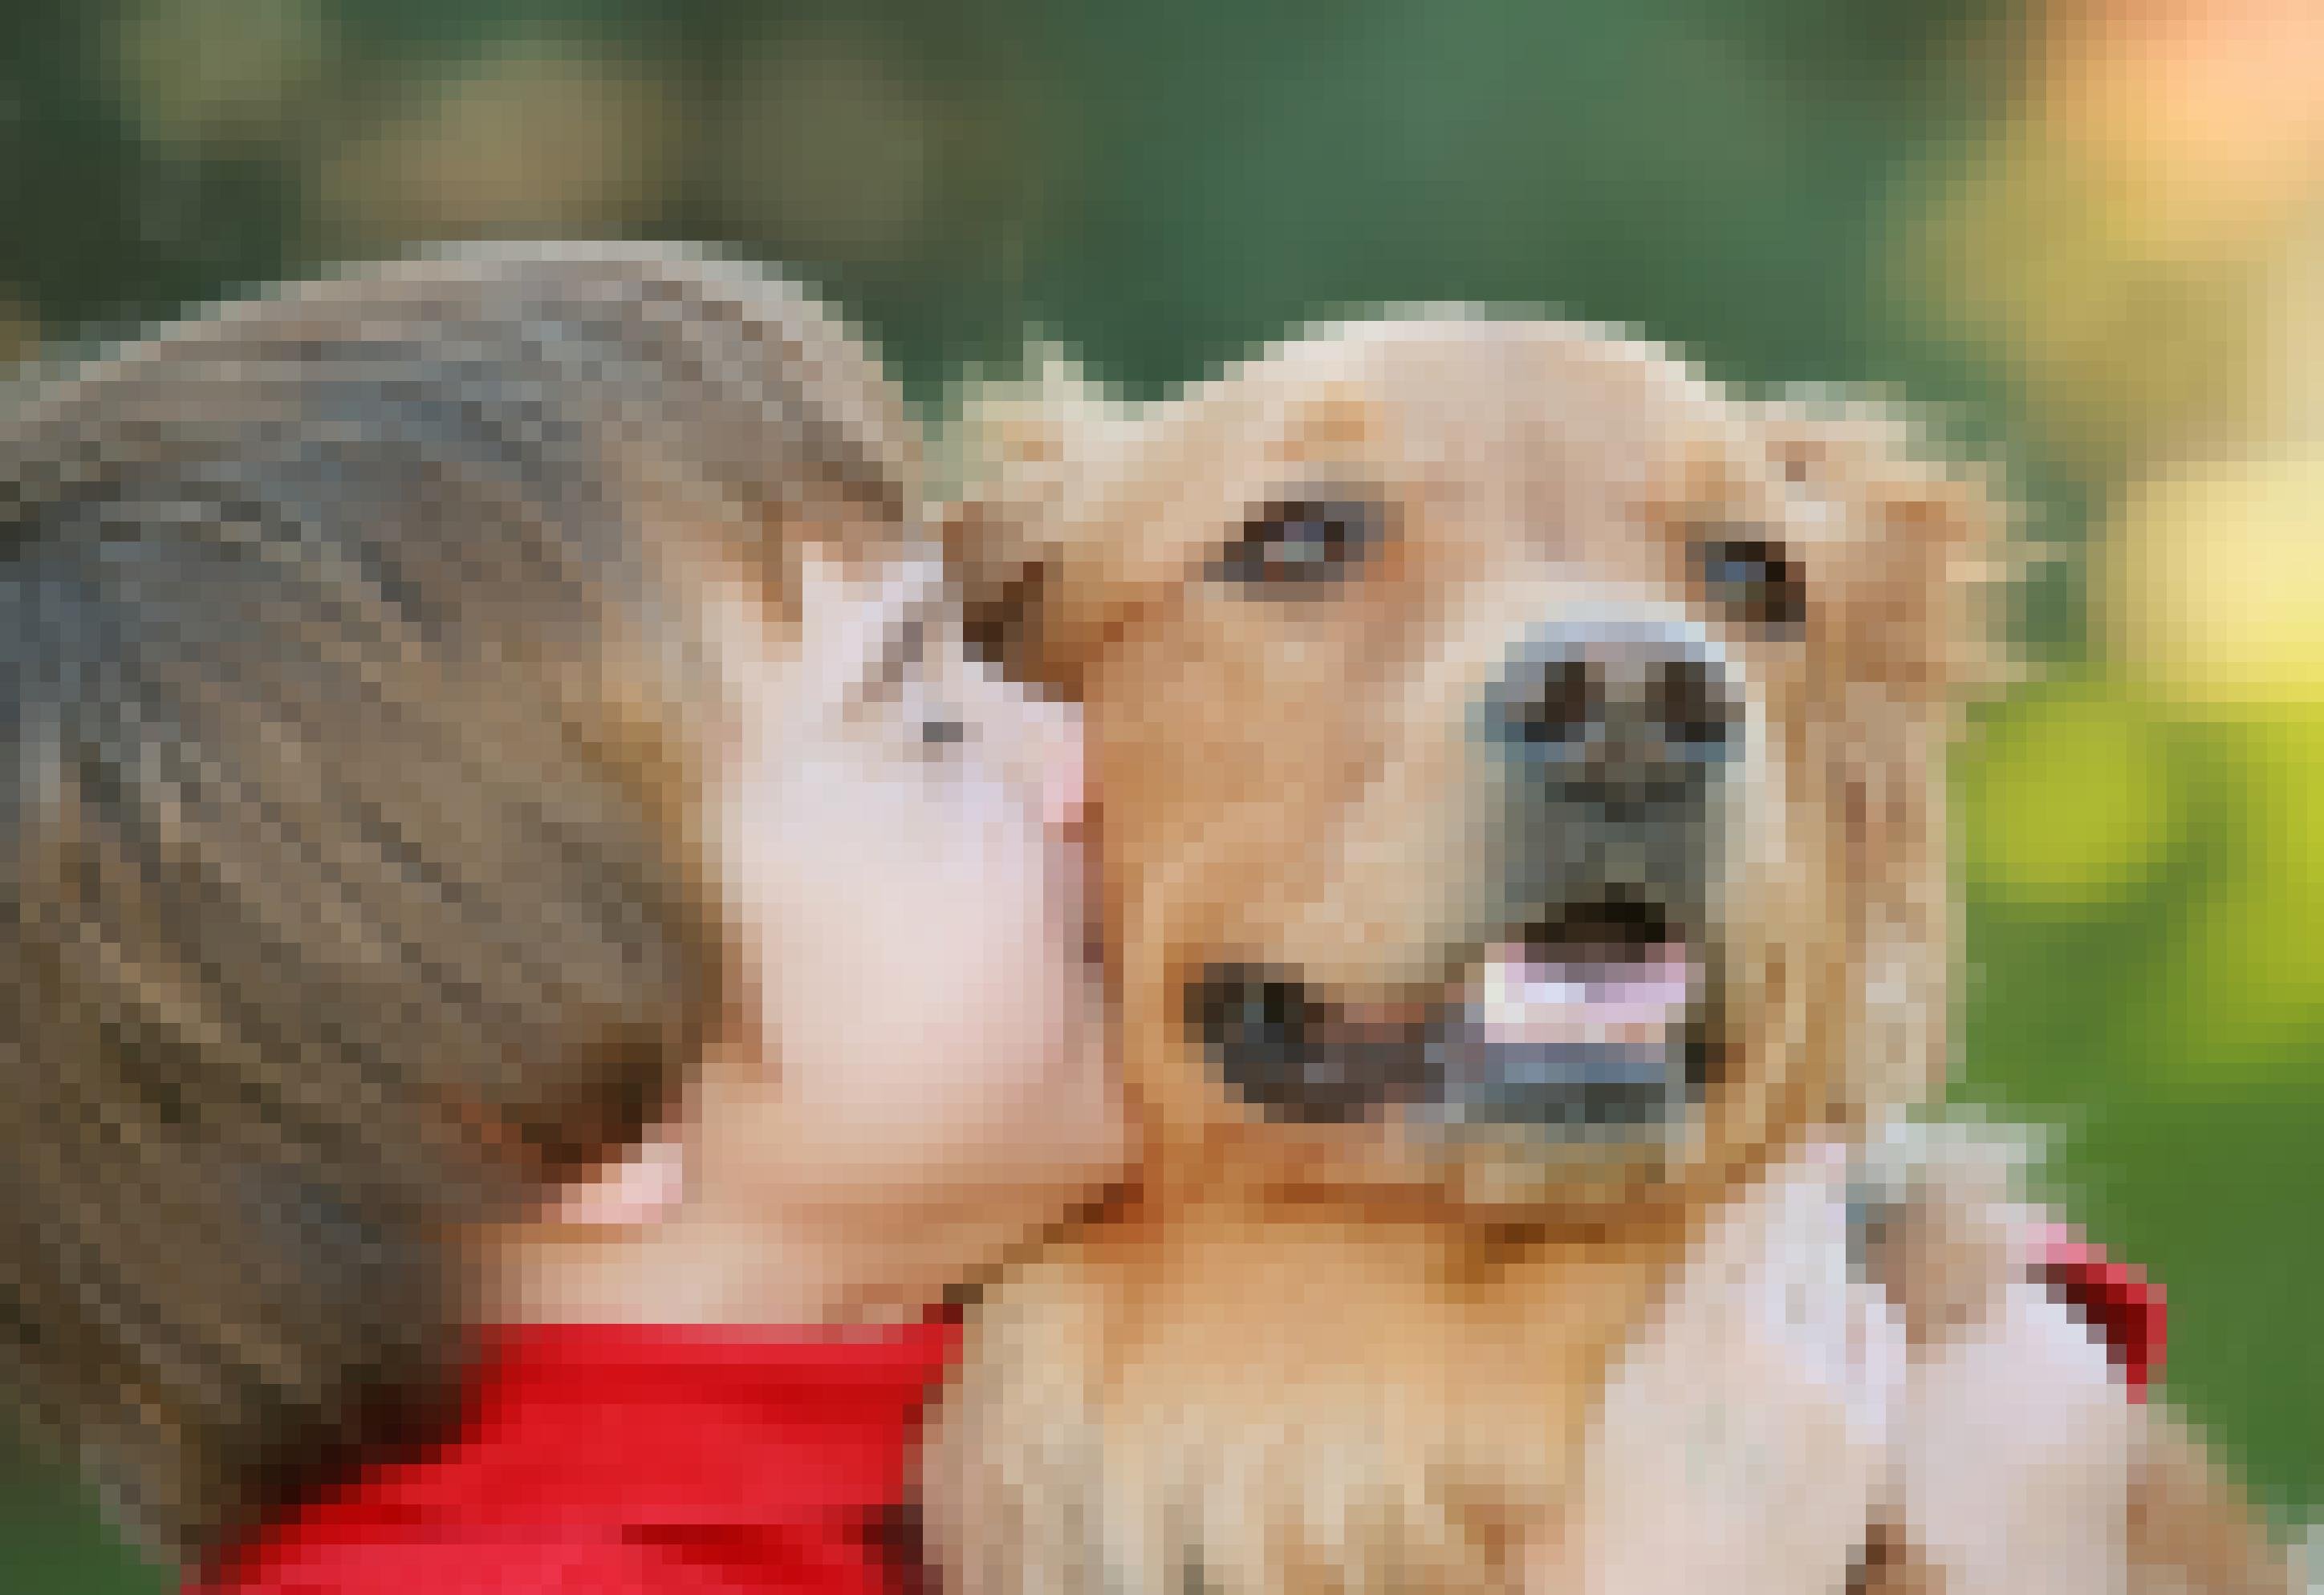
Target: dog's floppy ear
[(1912, 634), (1022, 457), (1933, 545)]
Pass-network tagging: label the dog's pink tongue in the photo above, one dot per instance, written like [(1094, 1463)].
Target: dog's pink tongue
[(1634, 1002)]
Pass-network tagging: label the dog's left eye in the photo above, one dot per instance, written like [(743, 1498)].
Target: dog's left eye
[(1298, 546), (1753, 578)]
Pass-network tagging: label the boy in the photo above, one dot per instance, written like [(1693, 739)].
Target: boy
[(505, 846)]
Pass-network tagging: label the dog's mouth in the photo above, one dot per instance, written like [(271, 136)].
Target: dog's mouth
[(1594, 1017)]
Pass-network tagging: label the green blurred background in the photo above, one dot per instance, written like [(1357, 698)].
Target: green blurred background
[(2091, 233)]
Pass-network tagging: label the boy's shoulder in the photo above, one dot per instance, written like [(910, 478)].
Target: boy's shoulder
[(601, 1460)]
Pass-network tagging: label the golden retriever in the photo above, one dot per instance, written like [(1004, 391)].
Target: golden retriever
[(1518, 767)]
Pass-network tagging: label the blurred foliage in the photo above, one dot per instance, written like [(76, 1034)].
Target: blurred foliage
[(1161, 184), (1790, 190)]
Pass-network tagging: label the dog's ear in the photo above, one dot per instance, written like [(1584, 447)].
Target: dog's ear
[(1918, 558), (1022, 455), (1932, 546)]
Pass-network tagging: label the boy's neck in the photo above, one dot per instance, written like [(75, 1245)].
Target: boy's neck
[(697, 1266)]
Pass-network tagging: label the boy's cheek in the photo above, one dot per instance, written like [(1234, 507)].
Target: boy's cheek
[(923, 1019)]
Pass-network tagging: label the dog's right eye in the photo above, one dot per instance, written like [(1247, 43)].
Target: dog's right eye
[(1299, 546), (1755, 579)]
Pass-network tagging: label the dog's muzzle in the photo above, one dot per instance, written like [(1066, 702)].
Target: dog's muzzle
[(1594, 1010)]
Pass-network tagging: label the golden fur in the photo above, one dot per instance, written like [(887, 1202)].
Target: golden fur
[(1298, 1357)]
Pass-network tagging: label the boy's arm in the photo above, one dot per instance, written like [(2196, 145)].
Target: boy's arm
[(1742, 1444), (2027, 1455), (1935, 1412)]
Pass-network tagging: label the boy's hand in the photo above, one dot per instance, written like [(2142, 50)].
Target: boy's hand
[(2016, 1443), (1742, 1444)]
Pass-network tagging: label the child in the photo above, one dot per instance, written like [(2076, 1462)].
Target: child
[(514, 882)]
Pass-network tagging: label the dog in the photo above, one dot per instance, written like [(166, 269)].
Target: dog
[(1518, 767)]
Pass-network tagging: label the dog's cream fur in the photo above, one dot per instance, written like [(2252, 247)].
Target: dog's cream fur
[(1301, 1357)]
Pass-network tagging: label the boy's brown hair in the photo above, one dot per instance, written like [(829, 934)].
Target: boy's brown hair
[(344, 838)]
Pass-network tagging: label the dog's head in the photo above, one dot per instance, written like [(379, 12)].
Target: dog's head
[(1518, 763)]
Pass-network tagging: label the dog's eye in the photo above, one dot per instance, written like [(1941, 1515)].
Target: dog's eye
[(1754, 579), (1299, 545)]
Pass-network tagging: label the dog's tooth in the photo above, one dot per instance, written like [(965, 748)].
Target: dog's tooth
[(1510, 998)]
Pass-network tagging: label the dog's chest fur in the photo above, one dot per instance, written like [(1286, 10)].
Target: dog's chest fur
[(1282, 1406), (1272, 1405)]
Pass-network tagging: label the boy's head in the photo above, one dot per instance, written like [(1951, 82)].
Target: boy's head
[(366, 655)]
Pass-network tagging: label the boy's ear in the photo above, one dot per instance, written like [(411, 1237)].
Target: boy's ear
[(642, 1186), (1028, 456)]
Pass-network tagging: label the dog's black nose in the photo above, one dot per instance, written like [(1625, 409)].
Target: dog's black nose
[(1618, 711)]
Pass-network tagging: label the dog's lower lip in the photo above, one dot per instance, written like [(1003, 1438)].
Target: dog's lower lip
[(1563, 1086), (1612, 1050)]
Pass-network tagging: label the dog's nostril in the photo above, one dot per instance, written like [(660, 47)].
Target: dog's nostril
[(1562, 707), (1615, 712), (1688, 700)]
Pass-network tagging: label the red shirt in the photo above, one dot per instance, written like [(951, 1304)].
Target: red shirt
[(666, 1459), (636, 1460)]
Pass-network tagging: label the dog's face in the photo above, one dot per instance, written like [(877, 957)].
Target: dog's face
[(1518, 763)]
